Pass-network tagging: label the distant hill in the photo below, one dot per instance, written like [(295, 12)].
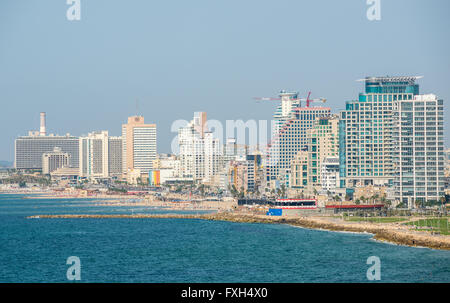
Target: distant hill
[(6, 164)]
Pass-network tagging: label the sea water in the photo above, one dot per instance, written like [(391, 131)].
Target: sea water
[(191, 250)]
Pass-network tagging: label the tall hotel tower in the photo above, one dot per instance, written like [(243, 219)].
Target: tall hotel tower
[(289, 135), (30, 149), (418, 153), (393, 136), (200, 152), (138, 145), (100, 155)]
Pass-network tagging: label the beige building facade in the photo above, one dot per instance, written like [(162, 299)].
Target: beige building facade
[(139, 149)]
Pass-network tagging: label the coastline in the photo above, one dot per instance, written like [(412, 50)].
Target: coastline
[(387, 232)]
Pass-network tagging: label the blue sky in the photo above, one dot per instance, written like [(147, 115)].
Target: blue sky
[(177, 57)]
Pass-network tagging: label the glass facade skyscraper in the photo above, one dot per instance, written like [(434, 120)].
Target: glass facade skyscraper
[(366, 131), (393, 136)]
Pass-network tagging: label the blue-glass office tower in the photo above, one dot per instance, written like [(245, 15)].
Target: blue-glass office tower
[(385, 139)]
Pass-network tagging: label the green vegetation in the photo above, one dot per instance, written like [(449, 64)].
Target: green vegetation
[(236, 193), (439, 225), (23, 180), (375, 219)]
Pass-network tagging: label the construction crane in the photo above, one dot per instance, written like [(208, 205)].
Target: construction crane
[(288, 122), (307, 99)]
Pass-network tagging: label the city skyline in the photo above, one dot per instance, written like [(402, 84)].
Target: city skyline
[(205, 145), (72, 69), (260, 144)]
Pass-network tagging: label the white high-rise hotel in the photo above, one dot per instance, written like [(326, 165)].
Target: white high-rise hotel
[(100, 155), (418, 158), (200, 152)]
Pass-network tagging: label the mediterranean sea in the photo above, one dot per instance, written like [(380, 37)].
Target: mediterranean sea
[(191, 250)]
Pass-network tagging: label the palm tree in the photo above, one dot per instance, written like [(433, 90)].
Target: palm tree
[(242, 193), (283, 190), (442, 200), (233, 191), (201, 189), (419, 203), (375, 197), (315, 192), (363, 199)]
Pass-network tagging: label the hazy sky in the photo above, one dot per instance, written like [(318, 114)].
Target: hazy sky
[(178, 57)]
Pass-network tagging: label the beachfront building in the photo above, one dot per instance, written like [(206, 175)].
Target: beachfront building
[(289, 141), (138, 146), (199, 152), (232, 151), (329, 171), (100, 155), (166, 169), (366, 131), (29, 149), (392, 136), (53, 160), (307, 167), (114, 156), (418, 152), (243, 174)]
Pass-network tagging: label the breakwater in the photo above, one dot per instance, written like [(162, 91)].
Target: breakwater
[(393, 233)]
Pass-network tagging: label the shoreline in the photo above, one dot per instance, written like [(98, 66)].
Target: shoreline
[(392, 233)]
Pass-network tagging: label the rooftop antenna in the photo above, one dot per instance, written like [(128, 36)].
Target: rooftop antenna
[(137, 107)]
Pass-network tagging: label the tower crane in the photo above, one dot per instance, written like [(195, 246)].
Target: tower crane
[(307, 99)]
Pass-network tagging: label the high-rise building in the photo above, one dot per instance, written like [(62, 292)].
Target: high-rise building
[(115, 156), (418, 149), (366, 131), (53, 160), (100, 155), (28, 150), (393, 136), (94, 155), (322, 142), (138, 145), (243, 173), (290, 139), (200, 152)]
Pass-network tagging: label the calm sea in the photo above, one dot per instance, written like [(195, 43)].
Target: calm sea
[(177, 250)]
